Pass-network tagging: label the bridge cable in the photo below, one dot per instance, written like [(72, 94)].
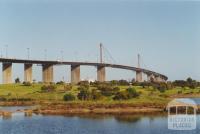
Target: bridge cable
[(107, 53)]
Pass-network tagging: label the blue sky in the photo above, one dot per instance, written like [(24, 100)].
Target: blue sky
[(166, 34)]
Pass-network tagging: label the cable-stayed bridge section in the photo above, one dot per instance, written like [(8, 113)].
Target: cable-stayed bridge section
[(47, 70)]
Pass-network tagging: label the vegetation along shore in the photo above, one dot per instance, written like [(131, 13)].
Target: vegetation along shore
[(95, 97)]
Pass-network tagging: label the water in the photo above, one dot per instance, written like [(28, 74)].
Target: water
[(89, 124)]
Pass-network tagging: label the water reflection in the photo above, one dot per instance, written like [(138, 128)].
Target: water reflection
[(88, 124)]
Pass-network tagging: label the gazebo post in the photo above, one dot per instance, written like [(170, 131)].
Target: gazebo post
[(186, 110)]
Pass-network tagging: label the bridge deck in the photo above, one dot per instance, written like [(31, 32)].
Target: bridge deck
[(24, 61)]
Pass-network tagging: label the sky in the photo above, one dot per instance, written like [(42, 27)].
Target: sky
[(165, 34)]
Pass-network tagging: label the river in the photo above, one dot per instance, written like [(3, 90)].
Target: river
[(89, 124)]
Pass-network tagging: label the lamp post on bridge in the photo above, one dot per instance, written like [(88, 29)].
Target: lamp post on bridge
[(28, 53), (101, 53), (45, 54), (6, 47), (61, 52)]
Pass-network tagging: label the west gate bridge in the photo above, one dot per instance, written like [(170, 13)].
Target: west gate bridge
[(48, 71)]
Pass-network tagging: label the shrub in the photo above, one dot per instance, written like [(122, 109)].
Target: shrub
[(69, 97), (121, 96), (192, 86), (83, 88), (60, 83), (125, 95), (108, 90), (144, 84), (180, 92), (2, 99), (114, 82), (84, 83), (123, 82), (48, 88), (27, 84), (84, 94), (132, 92), (17, 80), (160, 86), (161, 89), (95, 84), (96, 95), (68, 87)]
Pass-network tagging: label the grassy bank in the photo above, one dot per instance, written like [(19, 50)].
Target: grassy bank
[(52, 102)]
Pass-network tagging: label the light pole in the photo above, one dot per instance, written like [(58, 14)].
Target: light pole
[(61, 52), (28, 53), (1, 53), (6, 47), (45, 54)]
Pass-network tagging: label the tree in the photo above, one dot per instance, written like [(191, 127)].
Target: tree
[(68, 87), (48, 88), (84, 94), (124, 83), (27, 84), (121, 96), (125, 95), (132, 92), (96, 95), (107, 90), (17, 80), (189, 80), (69, 97)]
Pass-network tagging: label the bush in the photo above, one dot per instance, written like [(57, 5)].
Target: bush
[(108, 90), (123, 82), (125, 95), (180, 92), (17, 80), (132, 92), (68, 87), (121, 96), (84, 94), (96, 95), (160, 86), (60, 83), (192, 86), (84, 84), (69, 97), (83, 88), (95, 83), (48, 88), (2, 99), (27, 84)]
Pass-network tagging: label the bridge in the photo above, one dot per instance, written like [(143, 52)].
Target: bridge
[(48, 71)]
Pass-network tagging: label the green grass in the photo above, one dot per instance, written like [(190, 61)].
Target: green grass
[(147, 95)]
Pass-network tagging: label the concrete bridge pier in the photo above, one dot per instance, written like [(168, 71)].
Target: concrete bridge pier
[(47, 73), (158, 79), (7, 73), (101, 73), (75, 74), (162, 79), (150, 77), (28, 73), (139, 76)]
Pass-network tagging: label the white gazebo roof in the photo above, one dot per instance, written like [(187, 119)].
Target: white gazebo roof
[(181, 103)]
